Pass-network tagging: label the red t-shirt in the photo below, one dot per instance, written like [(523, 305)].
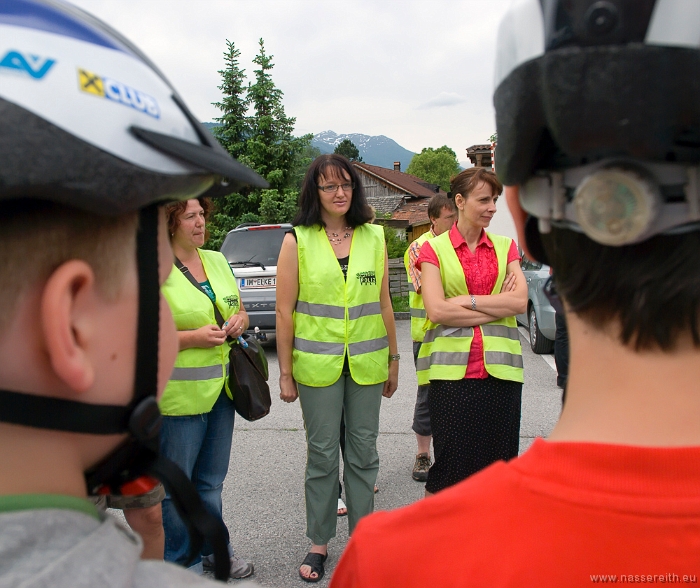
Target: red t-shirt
[(562, 515), (481, 271)]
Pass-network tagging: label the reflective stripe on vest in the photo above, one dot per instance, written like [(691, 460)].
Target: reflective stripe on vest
[(334, 317), (199, 373), (418, 313), (444, 346), (196, 373), (415, 301)]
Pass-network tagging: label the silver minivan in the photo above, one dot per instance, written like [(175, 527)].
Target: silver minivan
[(252, 250)]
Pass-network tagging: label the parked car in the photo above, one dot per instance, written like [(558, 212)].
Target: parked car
[(252, 250), (539, 318)]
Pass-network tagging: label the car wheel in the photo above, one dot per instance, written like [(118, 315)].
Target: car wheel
[(538, 342)]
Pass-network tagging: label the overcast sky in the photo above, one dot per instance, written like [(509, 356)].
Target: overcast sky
[(418, 71)]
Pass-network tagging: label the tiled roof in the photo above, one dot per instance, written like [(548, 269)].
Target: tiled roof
[(475, 148), (415, 211), (411, 184), (385, 204)]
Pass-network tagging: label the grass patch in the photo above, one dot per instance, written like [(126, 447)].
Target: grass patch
[(400, 303)]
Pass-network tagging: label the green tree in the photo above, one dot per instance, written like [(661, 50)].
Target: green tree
[(278, 206), (395, 245), (233, 133), (347, 148), (256, 131), (271, 149), (436, 166), (301, 164), (234, 129)]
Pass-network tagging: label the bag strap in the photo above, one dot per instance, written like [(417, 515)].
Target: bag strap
[(185, 270)]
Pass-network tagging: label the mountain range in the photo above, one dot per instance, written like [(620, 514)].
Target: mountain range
[(378, 150)]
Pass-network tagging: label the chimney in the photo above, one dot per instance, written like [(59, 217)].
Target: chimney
[(397, 166)]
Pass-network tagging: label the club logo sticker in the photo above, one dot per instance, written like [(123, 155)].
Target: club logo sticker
[(25, 63), (367, 278), (232, 301), (111, 89)]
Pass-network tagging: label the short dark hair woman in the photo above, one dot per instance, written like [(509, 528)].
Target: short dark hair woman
[(336, 343), (472, 287)]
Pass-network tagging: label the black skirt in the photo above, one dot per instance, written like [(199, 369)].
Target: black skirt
[(475, 422)]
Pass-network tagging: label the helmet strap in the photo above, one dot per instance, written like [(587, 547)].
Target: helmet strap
[(138, 455)]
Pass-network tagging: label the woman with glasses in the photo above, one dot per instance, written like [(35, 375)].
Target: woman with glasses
[(336, 343)]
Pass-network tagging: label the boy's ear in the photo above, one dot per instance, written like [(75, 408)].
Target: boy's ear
[(68, 318), (519, 216)]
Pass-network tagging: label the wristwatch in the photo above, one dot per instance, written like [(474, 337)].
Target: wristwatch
[(395, 357)]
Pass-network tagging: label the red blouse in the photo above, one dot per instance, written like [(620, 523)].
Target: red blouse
[(481, 272)]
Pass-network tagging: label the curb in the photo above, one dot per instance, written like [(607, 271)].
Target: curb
[(402, 316)]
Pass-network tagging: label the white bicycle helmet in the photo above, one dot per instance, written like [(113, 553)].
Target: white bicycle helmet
[(87, 120)]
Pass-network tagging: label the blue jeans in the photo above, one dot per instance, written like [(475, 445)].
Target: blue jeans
[(201, 445)]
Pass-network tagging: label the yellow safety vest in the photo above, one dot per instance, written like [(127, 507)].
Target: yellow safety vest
[(199, 373), (444, 353), (334, 317), (415, 300)]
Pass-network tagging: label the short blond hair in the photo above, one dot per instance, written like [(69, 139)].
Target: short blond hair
[(36, 237)]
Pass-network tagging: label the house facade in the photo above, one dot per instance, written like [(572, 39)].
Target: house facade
[(399, 199)]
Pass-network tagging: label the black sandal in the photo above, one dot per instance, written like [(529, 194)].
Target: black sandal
[(315, 561)]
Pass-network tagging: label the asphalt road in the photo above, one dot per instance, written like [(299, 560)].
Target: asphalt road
[(264, 493)]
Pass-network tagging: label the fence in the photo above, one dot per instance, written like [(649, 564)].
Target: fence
[(398, 281)]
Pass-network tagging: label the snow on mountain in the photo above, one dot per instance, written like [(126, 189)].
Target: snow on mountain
[(375, 150)]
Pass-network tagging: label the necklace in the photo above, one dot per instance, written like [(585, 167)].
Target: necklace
[(336, 239)]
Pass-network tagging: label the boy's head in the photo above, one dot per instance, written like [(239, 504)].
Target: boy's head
[(86, 340), (601, 165)]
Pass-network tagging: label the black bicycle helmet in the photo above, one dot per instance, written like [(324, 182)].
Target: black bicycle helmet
[(598, 116), (87, 121)]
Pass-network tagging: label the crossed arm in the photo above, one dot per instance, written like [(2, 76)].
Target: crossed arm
[(457, 311)]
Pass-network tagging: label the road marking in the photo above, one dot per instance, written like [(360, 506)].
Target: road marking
[(548, 357)]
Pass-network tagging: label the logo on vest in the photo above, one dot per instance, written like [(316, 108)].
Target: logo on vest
[(367, 278), (231, 301)]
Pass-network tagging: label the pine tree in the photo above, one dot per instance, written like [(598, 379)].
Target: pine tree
[(271, 149), (261, 139), (234, 130), (349, 149)]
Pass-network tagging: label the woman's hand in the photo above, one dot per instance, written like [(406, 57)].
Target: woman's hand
[(235, 326), (288, 389), (208, 336), (392, 383), (508, 283)]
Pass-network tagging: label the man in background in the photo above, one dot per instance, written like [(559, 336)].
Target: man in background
[(442, 214)]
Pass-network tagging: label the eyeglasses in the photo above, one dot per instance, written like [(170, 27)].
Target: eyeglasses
[(332, 188)]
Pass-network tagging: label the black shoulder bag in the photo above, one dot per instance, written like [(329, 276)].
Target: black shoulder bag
[(248, 372)]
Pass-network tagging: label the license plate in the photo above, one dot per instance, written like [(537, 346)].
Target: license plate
[(258, 282)]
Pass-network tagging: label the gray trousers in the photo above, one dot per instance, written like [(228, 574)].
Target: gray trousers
[(322, 409)]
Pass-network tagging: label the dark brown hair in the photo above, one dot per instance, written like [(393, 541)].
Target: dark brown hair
[(309, 213), (437, 203), (466, 181), (652, 288), (175, 209)]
